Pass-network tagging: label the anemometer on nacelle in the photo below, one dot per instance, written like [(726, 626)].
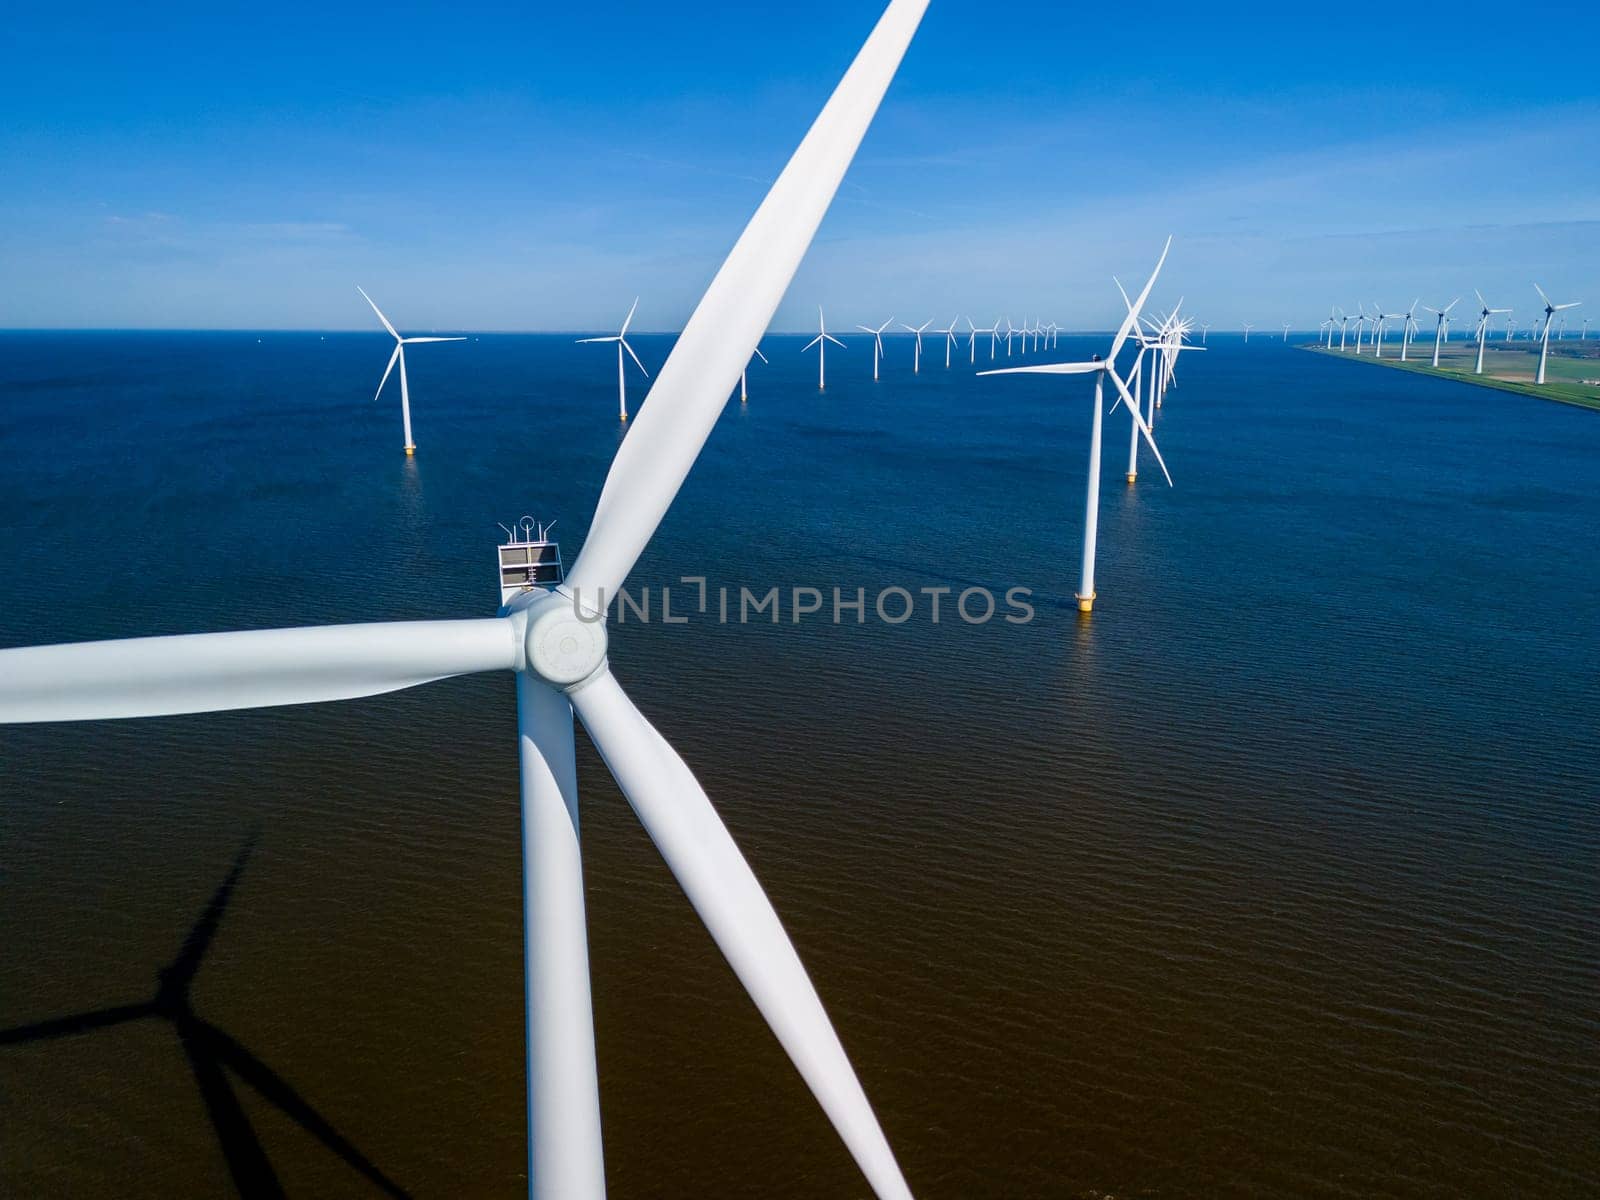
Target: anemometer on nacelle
[(528, 559)]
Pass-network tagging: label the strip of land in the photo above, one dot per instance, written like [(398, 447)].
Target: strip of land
[(1570, 378)]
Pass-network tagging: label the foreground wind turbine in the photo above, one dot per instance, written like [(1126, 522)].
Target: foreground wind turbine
[(877, 343), (821, 343), (744, 392), (1101, 369), (1438, 330), (949, 333), (916, 361), (554, 641), (1485, 312), (622, 344), (399, 355), (1550, 310)]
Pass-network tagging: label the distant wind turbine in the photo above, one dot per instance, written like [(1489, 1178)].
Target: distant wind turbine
[(1286, 331), (1438, 331), (821, 343), (916, 360), (621, 339), (744, 393), (1247, 328), (1550, 310), (949, 332), (1483, 326), (877, 343), (399, 355), (1101, 369)]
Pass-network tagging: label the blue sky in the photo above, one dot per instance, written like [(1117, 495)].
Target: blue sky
[(530, 166)]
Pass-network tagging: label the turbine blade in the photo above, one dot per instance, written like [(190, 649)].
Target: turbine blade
[(836, 341), (707, 864), (760, 355), (628, 320), (714, 348), (1133, 313), (633, 356), (1077, 368), (414, 341), (381, 317), (210, 672), (812, 343), (393, 358)]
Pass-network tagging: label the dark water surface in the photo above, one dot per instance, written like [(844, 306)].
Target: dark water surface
[(1279, 877)]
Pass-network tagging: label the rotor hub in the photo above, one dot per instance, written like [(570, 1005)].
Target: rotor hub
[(562, 647)]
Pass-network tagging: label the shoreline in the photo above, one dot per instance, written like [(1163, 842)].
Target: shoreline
[(1557, 392)]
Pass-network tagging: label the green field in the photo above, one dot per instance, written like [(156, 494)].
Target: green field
[(1572, 378)]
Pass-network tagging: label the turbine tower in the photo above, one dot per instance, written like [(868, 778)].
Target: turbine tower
[(554, 644), (949, 332), (1483, 326), (821, 343), (1438, 330), (1101, 369), (1550, 310), (621, 339), (399, 356)]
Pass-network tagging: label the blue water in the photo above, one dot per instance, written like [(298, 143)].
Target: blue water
[(1277, 876)]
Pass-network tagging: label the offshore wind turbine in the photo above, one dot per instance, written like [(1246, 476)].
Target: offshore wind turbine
[(1483, 326), (1438, 331), (621, 339), (1550, 310), (1204, 329), (554, 642), (949, 332), (877, 342), (1101, 369), (821, 343), (744, 394), (916, 358), (1247, 328), (1286, 331), (399, 356)]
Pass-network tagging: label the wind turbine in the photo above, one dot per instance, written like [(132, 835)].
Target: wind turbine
[(1204, 329), (744, 394), (1286, 331), (949, 332), (916, 360), (399, 355), (1438, 332), (877, 343), (1483, 326), (821, 343), (1584, 336), (622, 344), (1101, 369), (1247, 328), (554, 641), (1550, 310), (1408, 329)]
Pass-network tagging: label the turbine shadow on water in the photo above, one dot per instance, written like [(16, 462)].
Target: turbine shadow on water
[(212, 1055)]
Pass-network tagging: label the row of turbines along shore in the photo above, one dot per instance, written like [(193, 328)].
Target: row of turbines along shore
[(1371, 329)]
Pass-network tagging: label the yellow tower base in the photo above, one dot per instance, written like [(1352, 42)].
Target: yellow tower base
[(410, 450), (1086, 603), (1132, 477)]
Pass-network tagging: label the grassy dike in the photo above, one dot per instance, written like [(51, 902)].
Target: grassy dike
[(1559, 390)]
